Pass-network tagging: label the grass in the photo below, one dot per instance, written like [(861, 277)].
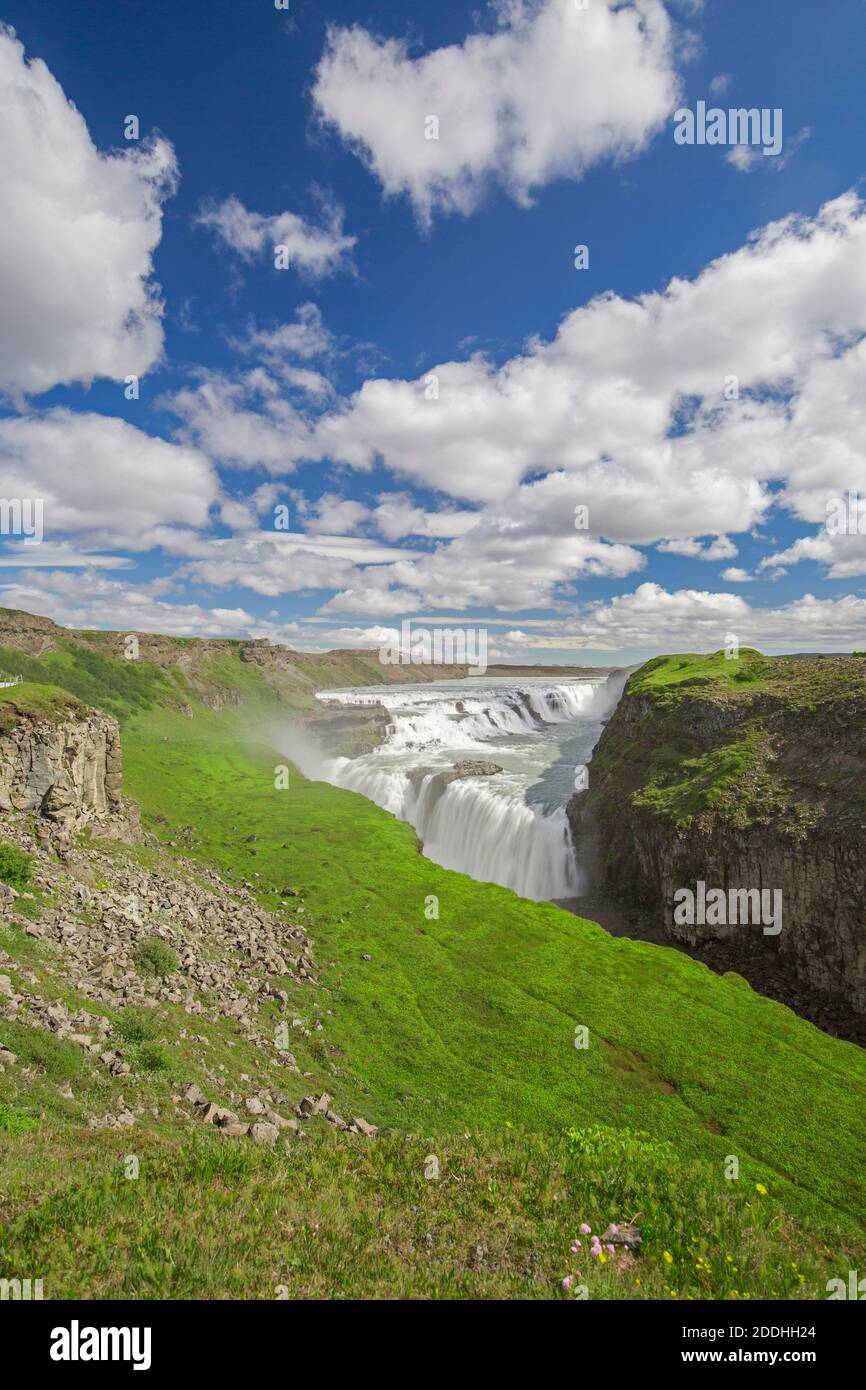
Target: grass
[(456, 1037), (57, 1059), (105, 682), (36, 700), (155, 957), (756, 741), (698, 783), (803, 682), (672, 676), (15, 1121), (138, 1025), (15, 868), (469, 1020), (326, 1219)]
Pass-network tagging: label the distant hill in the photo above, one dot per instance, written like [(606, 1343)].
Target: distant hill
[(212, 669)]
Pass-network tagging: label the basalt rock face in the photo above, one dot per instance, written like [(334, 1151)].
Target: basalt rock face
[(67, 771), (348, 731), (758, 788)]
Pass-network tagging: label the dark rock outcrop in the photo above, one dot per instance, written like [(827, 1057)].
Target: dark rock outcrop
[(760, 790)]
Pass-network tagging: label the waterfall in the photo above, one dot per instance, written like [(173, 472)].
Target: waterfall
[(484, 826), (466, 825), (429, 718)]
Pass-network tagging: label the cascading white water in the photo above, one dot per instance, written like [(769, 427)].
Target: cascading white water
[(502, 828), (430, 718), (498, 839), (466, 825)]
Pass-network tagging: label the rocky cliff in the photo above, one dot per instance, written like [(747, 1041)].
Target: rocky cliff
[(746, 774), (61, 761)]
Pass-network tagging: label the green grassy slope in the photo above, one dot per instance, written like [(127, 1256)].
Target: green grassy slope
[(754, 740), (117, 687), (329, 1218), (471, 1019), (460, 1032), (92, 664), (31, 700)]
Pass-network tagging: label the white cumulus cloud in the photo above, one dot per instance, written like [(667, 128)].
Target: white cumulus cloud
[(316, 251), (553, 91), (77, 236), (103, 481)]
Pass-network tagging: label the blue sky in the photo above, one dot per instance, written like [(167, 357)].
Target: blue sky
[(431, 387)]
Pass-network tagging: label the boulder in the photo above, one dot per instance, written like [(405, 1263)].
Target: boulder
[(311, 1105), (264, 1133), (192, 1093)]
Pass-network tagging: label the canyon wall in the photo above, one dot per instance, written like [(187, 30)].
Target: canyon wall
[(68, 770), (753, 778)]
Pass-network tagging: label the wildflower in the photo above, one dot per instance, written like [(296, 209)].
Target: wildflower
[(568, 1281), (760, 1189), (585, 1230), (611, 1249), (575, 1247), (668, 1257)]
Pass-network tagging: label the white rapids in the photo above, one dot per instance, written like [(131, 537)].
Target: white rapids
[(509, 828)]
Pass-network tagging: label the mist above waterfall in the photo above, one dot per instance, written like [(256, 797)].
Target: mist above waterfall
[(302, 750), (509, 828)]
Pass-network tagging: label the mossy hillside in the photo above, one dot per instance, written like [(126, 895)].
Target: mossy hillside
[(671, 678), (329, 1216), (470, 1019), (98, 680), (753, 741), (36, 700), (458, 1026), (176, 671)]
